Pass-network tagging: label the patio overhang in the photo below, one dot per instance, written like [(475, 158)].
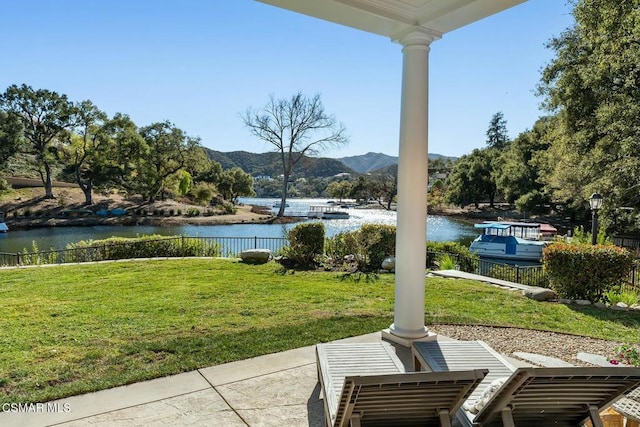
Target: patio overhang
[(415, 24), (393, 18)]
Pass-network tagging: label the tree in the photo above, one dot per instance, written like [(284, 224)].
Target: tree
[(472, 179), (125, 149), (497, 135), (593, 85), (46, 118), (339, 189), (169, 150), (519, 173), (235, 183), (10, 136), (296, 127), (88, 151), (385, 185)]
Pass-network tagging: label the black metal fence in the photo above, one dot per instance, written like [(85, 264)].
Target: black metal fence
[(165, 247), (532, 275)]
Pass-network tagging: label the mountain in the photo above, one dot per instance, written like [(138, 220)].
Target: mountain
[(373, 161), (268, 164)]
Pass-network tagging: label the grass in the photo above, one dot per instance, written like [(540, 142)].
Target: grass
[(73, 329)]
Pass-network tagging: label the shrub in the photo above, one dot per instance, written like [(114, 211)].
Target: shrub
[(377, 242), (628, 297), (342, 245), (446, 262), (627, 354), (229, 208), (467, 260), (27, 213), (193, 212), (149, 246), (585, 271), (306, 244)]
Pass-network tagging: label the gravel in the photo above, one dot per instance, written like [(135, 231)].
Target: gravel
[(510, 340)]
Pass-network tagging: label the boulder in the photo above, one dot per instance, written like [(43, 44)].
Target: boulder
[(256, 256), (583, 302), (540, 294), (389, 263)]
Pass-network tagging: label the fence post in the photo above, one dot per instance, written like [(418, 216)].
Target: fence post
[(517, 274), (255, 242), (182, 245), (17, 258)]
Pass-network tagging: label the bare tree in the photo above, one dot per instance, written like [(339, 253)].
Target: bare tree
[(296, 127)]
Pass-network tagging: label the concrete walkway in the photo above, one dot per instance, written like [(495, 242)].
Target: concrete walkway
[(273, 390)]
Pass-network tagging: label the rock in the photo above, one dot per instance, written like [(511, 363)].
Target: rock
[(600, 305), (620, 306), (349, 258), (565, 301), (583, 302), (540, 294), (542, 360), (389, 263), (256, 256), (635, 307), (594, 359)]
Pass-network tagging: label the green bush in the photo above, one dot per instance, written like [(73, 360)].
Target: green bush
[(377, 242), (305, 244), (584, 271), (150, 246), (628, 297), (193, 212), (467, 260), (342, 245), (229, 208)]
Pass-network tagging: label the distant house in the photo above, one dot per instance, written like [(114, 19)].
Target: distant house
[(264, 177), (342, 175)]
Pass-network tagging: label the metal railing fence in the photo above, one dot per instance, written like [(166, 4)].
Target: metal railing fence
[(180, 246)]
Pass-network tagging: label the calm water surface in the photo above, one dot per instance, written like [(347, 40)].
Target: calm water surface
[(439, 228)]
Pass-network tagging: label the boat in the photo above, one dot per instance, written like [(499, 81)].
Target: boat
[(3, 226), (326, 212), (523, 241), (278, 204)]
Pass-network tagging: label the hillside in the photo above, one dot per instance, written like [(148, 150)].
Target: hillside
[(267, 164), (374, 161)]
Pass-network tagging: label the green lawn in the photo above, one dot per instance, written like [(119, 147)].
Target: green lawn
[(73, 329)]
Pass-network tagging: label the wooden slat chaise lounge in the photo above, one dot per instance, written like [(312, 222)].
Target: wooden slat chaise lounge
[(566, 396), (366, 385)]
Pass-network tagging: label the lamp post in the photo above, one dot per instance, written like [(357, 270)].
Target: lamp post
[(595, 201)]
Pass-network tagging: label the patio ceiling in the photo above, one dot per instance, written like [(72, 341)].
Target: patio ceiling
[(395, 18)]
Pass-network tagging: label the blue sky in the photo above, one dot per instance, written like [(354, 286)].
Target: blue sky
[(201, 63)]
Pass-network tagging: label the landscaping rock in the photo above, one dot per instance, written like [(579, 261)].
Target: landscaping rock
[(583, 302), (256, 256), (565, 301), (389, 263), (600, 305), (620, 306), (540, 294)]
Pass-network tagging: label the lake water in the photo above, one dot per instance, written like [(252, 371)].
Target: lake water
[(439, 228)]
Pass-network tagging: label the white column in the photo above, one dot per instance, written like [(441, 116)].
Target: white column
[(412, 187)]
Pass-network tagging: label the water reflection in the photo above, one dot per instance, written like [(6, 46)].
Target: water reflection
[(439, 228)]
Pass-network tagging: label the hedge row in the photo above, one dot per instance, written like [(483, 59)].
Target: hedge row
[(584, 271)]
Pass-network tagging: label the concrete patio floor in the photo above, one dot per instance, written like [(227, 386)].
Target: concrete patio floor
[(272, 390)]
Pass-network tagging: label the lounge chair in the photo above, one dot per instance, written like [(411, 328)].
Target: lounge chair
[(567, 396), (366, 385)]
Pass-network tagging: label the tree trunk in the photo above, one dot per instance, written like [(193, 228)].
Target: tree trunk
[(88, 193), (283, 199), (48, 183)]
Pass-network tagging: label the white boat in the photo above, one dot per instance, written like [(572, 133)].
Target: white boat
[(326, 212), (511, 240), (3, 226)]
